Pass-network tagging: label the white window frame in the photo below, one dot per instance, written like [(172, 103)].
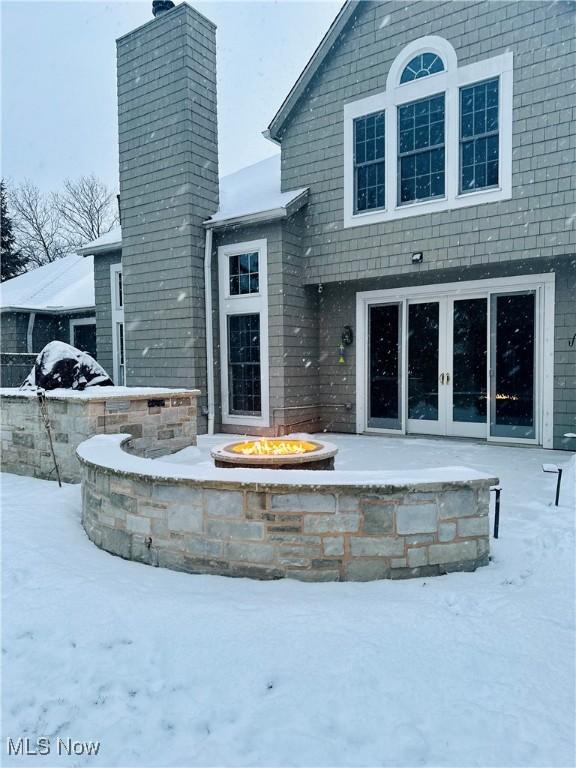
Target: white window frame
[(244, 304), (544, 286), (117, 317), (79, 321), (449, 82)]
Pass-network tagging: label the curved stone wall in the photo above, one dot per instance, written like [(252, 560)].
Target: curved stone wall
[(313, 526)]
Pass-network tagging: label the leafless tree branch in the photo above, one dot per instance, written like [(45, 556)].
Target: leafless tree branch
[(87, 209), (36, 226)]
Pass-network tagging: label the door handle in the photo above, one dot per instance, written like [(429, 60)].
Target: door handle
[(441, 378), (447, 378)]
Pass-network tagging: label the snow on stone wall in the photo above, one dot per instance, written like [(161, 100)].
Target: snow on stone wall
[(284, 526), (160, 420)]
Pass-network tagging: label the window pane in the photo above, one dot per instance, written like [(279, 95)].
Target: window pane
[(384, 353), (513, 332), (244, 364), (423, 341), (369, 150), (244, 275), (421, 66), (120, 290), (469, 360), (421, 167), (479, 136)]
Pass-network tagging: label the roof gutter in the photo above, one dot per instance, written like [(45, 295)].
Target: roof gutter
[(99, 249), (50, 310), (251, 218), (258, 218)]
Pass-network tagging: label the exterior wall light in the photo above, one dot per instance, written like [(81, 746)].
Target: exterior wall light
[(417, 257), (346, 339)]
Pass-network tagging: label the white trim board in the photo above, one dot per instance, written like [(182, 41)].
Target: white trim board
[(543, 284), (242, 305), (448, 82)]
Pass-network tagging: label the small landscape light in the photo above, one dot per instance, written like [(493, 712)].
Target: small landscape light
[(555, 470)]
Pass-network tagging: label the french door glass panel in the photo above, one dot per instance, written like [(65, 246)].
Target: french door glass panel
[(384, 356), (469, 360), (512, 378), (466, 367), (423, 360)]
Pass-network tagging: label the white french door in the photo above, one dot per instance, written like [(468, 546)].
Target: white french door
[(465, 360), (447, 366)]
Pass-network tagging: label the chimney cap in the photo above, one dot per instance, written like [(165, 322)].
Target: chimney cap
[(161, 6)]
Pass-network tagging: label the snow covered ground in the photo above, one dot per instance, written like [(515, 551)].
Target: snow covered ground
[(169, 669)]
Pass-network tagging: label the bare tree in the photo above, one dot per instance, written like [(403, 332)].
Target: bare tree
[(49, 226), (36, 225), (87, 209)]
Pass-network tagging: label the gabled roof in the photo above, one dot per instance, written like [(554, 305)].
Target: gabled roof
[(249, 195), (65, 285), (331, 36)]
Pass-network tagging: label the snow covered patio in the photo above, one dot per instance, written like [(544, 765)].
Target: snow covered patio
[(173, 669)]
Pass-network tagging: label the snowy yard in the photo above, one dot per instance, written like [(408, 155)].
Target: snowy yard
[(169, 669)]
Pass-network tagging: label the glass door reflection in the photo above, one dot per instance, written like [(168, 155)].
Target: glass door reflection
[(424, 407), (513, 353), (467, 386), (385, 365)]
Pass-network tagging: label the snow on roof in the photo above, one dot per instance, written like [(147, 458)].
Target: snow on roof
[(105, 242), (65, 285), (251, 191)]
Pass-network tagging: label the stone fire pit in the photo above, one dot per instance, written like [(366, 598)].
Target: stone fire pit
[(276, 453)]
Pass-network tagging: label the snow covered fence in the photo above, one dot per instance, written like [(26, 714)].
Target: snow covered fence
[(268, 524), (161, 421)]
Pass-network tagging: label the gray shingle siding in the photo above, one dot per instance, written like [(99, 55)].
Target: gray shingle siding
[(168, 186), (494, 239), (338, 308), (534, 223), (47, 328), (14, 330), (103, 294)]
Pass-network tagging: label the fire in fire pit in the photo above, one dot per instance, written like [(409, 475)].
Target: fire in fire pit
[(276, 453)]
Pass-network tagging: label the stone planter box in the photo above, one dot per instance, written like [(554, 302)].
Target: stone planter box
[(268, 524), (160, 421)]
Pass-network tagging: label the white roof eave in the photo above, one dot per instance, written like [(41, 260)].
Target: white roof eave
[(272, 214)]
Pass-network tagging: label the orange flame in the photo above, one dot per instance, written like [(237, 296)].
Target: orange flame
[(274, 447)]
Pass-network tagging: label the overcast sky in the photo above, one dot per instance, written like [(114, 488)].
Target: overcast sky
[(59, 79)]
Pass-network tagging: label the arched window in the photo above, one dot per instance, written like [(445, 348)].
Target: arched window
[(428, 144), (421, 66)]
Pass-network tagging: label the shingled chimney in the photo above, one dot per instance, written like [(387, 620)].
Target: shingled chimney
[(168, 185)]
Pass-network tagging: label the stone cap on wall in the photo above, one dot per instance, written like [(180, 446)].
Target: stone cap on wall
[(102, 393), (109, 452)]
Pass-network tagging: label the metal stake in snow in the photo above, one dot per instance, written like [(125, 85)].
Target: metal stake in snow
[(44, 413), (497, 490), (556, 471)]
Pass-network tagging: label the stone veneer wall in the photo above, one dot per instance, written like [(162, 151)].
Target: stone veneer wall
[(161, 421), (274, 530)]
